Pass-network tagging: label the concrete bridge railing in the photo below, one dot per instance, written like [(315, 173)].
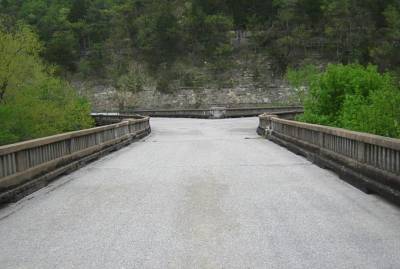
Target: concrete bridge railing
[(367, 161), (219, 112), (106, 119), (30, 165)]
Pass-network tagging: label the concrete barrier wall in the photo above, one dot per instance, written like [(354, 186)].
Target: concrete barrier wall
[(289, 111), (185, 113), (28, 166), (215, 112), (107, 119), (367, 161)]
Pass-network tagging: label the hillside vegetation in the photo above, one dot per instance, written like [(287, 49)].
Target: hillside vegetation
[(179, 44), (128, 40)]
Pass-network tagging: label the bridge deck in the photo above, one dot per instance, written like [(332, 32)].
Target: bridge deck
[(200, 194)]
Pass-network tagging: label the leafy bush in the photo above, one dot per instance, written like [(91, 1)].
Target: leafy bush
[(356, 98), (33, 102), (300, 79), (132, 81), (379, 113)]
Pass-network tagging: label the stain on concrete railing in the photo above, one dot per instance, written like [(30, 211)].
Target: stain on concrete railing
[(30, 165), (367, 161)]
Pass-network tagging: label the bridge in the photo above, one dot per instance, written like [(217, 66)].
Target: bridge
[(194, 193)]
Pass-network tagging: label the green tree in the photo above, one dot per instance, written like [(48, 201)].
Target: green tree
[(88, 36), (158, 34), (356, 98), (34, 103), (348, 27), (387, 52)]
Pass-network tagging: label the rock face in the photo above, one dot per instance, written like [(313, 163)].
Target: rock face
[(104, 97), (239, 95), (250, 81)]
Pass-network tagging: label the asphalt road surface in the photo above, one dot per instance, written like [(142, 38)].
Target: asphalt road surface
[(200, 194)]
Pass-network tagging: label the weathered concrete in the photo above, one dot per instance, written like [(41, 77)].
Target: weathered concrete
[(201, 194), (27, 166), (367, 161)]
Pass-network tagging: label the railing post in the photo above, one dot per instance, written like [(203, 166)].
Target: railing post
[(21, 161), (321, 139), (218, 112), (361, 152)]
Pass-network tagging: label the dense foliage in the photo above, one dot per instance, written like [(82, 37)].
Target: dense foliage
[(34, 103), (353, 97), (91, 36), (130, 42)]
